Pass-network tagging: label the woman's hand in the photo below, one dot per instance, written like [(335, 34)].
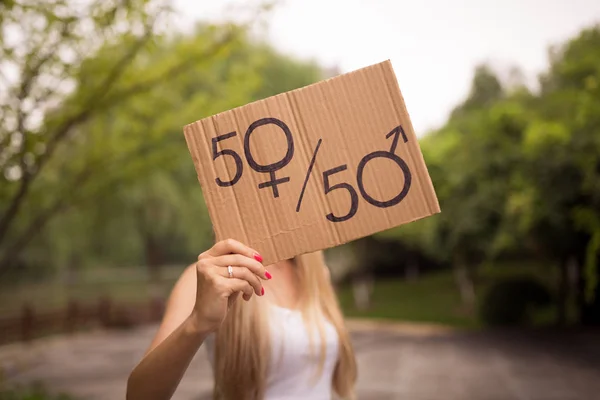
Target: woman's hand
[(217, 290)]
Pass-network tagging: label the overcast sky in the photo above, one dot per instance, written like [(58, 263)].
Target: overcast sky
[(434, 45)]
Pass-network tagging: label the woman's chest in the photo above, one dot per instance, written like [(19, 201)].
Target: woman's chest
[(294, 345)]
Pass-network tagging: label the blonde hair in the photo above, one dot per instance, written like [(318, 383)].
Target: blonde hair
[(242, 345)]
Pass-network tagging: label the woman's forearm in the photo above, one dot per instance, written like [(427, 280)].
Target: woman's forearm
[(158, 374)]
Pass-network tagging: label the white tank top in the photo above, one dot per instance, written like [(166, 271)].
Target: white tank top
[(293, 366)]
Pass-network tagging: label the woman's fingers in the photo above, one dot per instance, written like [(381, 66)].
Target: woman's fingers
[(240, 285), (242, 261), (231, 246), (246, 265), (245, 274), (232, 299)]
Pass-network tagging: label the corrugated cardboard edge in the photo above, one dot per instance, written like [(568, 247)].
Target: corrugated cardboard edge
[(290, 91), (424, 177)]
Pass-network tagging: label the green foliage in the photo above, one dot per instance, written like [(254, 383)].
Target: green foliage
[(543, 135), (486, 89), (517, 173), (49, 92), (432, 299), (111, 181), (283, 73), (468, 161), (34, 392), (94, 167), (512, 302), (589, 221)]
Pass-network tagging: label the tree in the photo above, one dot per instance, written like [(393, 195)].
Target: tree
[(124, 176), (468, 160), (518, 172), (556, 197), (79, 63), (486, 89), (163, 207)]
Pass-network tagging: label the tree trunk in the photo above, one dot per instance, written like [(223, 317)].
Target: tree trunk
[(563, 293), (589, 311), (411, 273), (464, 282), (362, 289), (573, 279), (72, 270), (154, 257)]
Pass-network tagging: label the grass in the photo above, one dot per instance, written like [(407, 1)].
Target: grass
[(31, 392), (435, 299), (431, 299), (122, 287)]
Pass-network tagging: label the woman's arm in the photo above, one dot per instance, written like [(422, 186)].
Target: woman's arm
[(197, 306), (173, 348)]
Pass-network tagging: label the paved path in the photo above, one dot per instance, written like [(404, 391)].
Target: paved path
[(406, 362)]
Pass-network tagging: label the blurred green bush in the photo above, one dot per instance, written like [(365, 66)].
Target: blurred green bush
[(511, 301), (33, 392)]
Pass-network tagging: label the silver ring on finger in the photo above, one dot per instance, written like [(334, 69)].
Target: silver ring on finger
[(230, 271)]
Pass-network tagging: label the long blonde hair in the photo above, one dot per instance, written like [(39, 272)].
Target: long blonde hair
[(243, 347)]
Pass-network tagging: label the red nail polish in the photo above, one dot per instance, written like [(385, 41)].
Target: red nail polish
[(258, 257), (268, 275), (262, 291)]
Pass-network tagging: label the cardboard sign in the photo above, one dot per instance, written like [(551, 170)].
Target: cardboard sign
[(314, 167)]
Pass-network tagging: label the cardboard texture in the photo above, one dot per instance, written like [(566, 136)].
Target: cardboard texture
[(314, 167)]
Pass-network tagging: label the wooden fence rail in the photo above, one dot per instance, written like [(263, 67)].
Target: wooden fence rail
[(30, 323)]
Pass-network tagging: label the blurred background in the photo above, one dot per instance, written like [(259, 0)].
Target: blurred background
[(497, 297)]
